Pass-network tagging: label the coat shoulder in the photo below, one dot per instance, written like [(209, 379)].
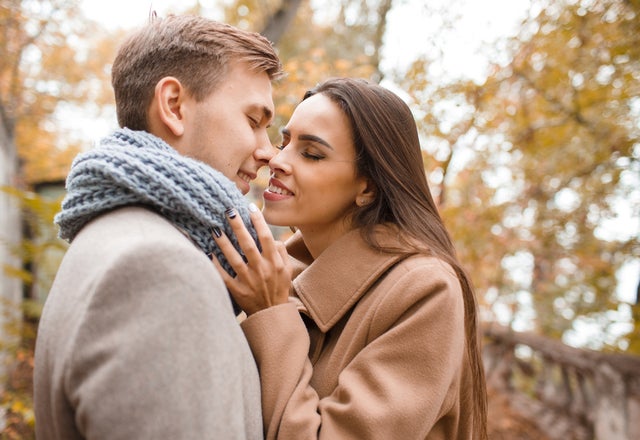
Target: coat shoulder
[(419, 284), (424, 275)]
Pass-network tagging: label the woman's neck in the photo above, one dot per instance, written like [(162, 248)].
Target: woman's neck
[(317, 240)]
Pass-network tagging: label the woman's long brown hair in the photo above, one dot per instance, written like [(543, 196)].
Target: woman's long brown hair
[(388, 153)]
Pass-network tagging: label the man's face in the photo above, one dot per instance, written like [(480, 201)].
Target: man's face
[(228, 130)]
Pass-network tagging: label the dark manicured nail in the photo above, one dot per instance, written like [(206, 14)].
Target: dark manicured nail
[(231, 212), (216, 231)]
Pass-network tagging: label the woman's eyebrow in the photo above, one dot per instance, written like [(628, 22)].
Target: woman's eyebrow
[(308, 137)]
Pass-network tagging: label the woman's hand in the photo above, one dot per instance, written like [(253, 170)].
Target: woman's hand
[(264, 279)]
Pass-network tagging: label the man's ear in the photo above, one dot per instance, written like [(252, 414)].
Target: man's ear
[(168, 101), (367, 192)]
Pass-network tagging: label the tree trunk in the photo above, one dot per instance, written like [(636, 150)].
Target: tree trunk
[(10, 236), (278, 23), (383, 10)]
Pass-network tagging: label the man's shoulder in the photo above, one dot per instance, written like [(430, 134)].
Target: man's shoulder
[(130, 226), (131, 234), (129, 218), (130, 247)]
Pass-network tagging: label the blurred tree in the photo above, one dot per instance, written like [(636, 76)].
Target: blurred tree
[(552, 143), (52, 59)]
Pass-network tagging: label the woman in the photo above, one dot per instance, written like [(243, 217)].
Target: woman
[(378, 336)]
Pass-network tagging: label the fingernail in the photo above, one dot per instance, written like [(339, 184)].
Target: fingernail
[(253, 207), (216, 231), (231, 213)]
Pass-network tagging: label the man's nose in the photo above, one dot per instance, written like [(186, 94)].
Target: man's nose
[(279, 162), (265, 151)]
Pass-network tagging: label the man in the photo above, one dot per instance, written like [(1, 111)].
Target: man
[(138, 339)]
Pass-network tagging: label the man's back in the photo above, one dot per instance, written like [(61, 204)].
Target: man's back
[(138, 340)]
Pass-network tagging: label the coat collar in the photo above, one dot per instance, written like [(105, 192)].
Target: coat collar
[(330, 285)]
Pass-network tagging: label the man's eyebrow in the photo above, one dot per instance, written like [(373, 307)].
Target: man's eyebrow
[(308, 137)]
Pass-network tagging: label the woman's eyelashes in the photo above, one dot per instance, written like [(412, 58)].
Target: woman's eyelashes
[(312, 156), (305, 152)]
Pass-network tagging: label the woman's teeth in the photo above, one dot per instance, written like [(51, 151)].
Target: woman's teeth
[(278, 190)]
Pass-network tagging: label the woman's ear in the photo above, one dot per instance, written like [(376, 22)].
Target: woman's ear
[(168, 101), (367, 193)]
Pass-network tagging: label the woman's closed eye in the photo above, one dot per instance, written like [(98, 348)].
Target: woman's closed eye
[(312, 156), (304, 153)]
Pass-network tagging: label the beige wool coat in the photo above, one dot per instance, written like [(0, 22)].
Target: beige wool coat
[(384, 353), (138, 340)]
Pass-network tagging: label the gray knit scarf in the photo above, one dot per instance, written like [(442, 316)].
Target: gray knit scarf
[(136, 168)]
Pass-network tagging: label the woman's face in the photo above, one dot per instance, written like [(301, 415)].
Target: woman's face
[(314, 184)]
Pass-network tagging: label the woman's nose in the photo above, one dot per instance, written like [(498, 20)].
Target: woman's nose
[(280, 162)]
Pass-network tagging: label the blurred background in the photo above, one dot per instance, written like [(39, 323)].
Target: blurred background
[(529, 115)]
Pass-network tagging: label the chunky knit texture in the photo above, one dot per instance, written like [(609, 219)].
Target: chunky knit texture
[(136, 168)]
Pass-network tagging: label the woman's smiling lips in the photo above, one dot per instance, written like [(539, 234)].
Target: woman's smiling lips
[(277, 191)]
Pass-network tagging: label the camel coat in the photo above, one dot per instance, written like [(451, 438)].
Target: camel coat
[(138, 340), (372, 346)]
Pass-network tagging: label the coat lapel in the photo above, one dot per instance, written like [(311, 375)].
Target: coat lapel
[(332, 284)]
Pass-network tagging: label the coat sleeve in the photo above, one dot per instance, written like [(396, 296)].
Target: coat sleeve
[(397, 386), (159, 353)]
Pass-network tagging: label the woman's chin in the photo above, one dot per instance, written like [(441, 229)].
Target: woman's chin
[(273, 218)]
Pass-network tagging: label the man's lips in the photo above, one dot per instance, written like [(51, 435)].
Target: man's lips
[(246, 176)]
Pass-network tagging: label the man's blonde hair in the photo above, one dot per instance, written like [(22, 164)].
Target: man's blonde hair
[(195, 50)]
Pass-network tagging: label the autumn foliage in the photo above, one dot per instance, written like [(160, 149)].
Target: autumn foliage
[(531, 167)]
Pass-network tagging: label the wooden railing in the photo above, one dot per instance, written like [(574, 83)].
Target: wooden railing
[(569, 393)]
